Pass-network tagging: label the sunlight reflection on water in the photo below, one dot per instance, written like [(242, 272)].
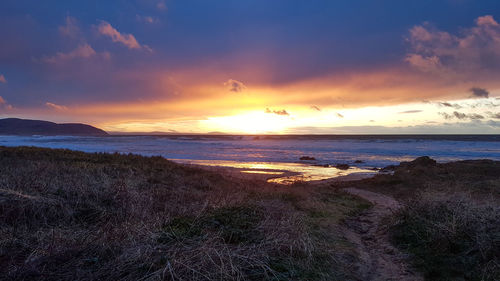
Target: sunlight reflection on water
[(302, 172)]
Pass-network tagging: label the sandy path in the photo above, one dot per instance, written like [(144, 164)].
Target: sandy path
[(379, 259)]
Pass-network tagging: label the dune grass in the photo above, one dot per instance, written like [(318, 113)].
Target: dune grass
[(67, 215), (450, 224), (451, 236)]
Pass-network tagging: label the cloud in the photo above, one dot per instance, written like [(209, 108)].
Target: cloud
[(127, 40), (473, 52), (494, 115), (147, 19), (56, 107), (410, 111), (339, 115), (161, 5), (479, 92), (4, 104), (70, 28), (473, 127), (235, 86), (282, 112), (2, 79), (83, 51), (315, 108), (447, 104), (461, 116)]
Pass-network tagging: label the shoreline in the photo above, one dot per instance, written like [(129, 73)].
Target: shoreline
[(311, 174)]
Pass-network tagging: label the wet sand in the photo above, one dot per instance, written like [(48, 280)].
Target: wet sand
[(282, 173)]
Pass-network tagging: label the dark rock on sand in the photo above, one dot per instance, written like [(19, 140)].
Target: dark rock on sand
[(359, 161), (425, 161), (389, 168), (342, 166), (307, 158)]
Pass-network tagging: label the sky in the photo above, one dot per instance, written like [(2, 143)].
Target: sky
[(254, 66)]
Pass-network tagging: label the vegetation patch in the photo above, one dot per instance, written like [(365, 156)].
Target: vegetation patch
[(236, 224), (451, 236), (67, 215)]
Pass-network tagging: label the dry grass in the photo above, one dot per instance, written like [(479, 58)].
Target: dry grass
[(68, 215), (451, 223), (451, 236)]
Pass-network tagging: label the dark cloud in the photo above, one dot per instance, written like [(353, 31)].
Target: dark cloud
[(461, 116), (339, 115), (447, 104), (494, 115), (235, 86), (446, 115), (475, 116), (282, 112), (410, 111), (479, 92), (315, 108)]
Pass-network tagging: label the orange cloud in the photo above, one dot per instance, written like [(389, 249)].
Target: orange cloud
[(473, 54), (127, 40), (282, 112), (235, 86), (82, 51), (2, 79), (56, 106)]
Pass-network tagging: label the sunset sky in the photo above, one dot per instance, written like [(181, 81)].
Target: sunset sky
[(256, 66)]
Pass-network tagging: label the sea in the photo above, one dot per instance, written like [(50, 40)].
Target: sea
[(363, 153)]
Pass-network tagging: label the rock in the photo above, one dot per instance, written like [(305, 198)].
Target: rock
[(307, 158), (389, 168), (359, 161), (342, 166), (424, 161)]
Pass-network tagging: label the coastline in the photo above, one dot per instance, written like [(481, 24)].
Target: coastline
[(290, 173)]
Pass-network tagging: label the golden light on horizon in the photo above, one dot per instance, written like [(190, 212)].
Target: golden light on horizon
[(255, 122)]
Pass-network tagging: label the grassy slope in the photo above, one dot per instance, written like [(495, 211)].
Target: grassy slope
[(80, 216), (451, 223)]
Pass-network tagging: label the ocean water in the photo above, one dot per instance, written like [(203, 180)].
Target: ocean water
[(282, 151), (374, 151)]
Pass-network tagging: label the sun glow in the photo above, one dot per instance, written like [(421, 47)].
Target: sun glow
[(249, 123)]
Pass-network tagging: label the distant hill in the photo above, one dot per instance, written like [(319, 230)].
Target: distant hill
[(16, 126)]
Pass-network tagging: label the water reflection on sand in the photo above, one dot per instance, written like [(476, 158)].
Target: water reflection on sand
[(284, 173)]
